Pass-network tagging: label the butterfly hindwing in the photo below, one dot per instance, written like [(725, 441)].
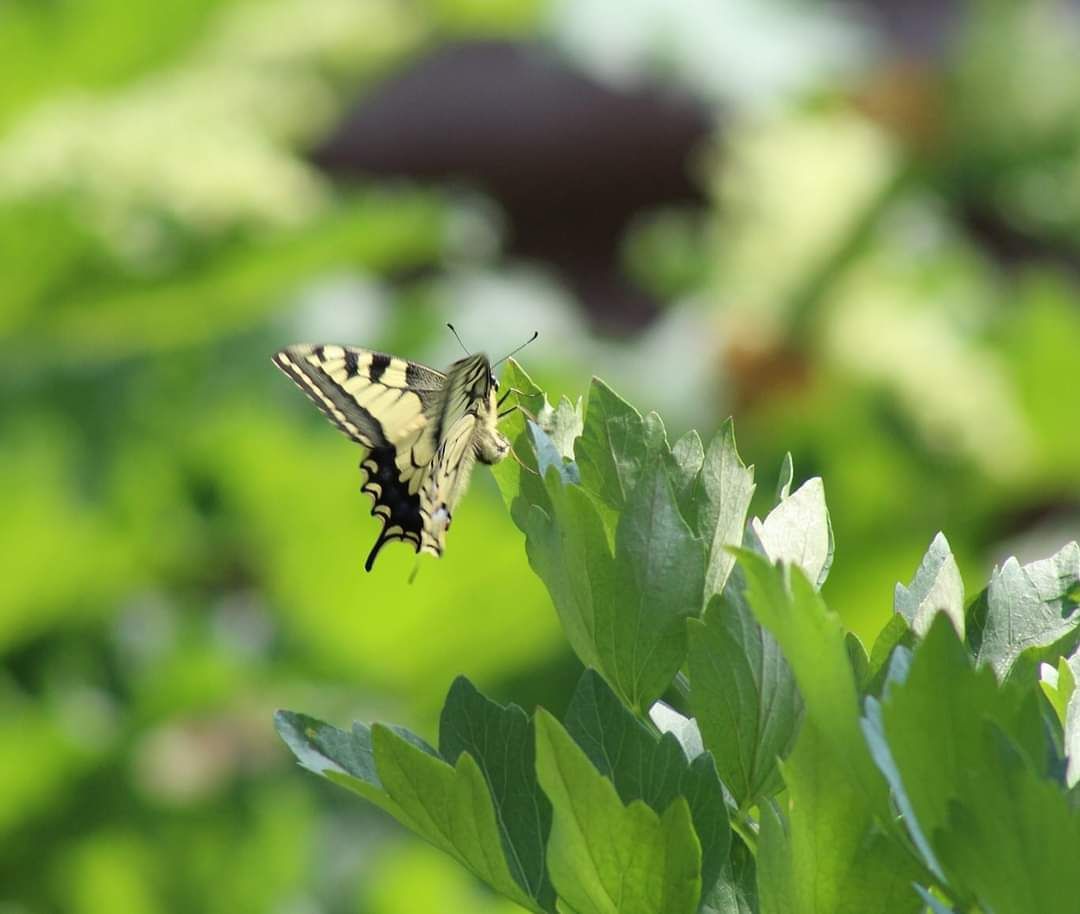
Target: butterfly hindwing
[(423, 430)]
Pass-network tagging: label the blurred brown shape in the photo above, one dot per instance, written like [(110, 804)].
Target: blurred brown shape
[(569, 160)]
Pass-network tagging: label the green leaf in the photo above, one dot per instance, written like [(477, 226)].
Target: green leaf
[(776, 891), (501, 741), (798, 531), (935, 906), (896, 632), (1072, 720), (967, 764), (936, 587), (478, 802), (684, 729), (346, 758), (612, 452), (1017, 844), (569, 551), (786, 478), (1059, 684), (1026, 606), (687, 457), (735, 891), (744, 697), (657, 581), (722, 498), (812, 639), (519, 480), (450, 805), (563, 425), (605, 857), (548, 456), (857, 656), (643, 767), (841, 862)]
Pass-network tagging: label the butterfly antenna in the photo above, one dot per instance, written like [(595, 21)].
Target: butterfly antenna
[(536, 333), (458, 338)]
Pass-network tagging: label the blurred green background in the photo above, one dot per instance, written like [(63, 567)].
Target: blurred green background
[(856, 228)]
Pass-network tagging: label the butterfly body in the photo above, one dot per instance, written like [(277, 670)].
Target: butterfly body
[(424, 431)]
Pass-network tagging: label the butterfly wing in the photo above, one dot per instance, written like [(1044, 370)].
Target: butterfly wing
[(461, 417), (391, 406)]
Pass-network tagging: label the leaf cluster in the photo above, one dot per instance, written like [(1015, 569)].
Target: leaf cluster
[(794, 770)]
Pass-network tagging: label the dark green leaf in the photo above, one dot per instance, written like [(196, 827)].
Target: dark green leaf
[(612, 451), (501, 741), (735, 891), (568, 549), (687, 457), (659, 572), (744, 697)]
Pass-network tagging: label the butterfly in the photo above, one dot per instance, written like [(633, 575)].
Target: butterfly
[(423, 429)]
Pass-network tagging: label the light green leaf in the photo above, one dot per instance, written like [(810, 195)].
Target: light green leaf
[(1059, 684), (604, 857), (841, 863), (968, 764), (1026, 606), (450, 805), (722, 498), (1072, 720), (744, 697), (812, 640), (936, 587), (644, 767), (798, 531)]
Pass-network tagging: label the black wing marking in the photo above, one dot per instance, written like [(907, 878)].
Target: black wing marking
[(398, 508)]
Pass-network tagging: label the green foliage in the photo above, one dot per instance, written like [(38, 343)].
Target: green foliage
[(781, 795)]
